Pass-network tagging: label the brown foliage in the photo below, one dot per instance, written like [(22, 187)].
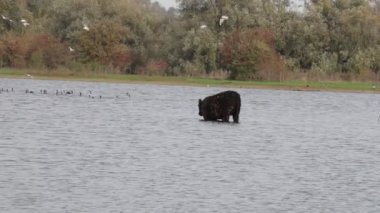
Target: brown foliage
[(14, 51), (19, 51), (104, 43), (154, 67), (53, 52), (250, 54), (121, 60)]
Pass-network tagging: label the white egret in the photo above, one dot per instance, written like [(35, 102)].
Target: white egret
[(71, 49), (223, 19), (203, 26), (24, 22), (85, 27)]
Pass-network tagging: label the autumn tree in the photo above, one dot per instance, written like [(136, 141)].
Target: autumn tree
[(332, 36)]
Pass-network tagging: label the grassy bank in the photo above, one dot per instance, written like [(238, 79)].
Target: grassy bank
[(168, 80)]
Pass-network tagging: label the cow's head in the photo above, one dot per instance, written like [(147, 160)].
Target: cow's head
[(200, 107)]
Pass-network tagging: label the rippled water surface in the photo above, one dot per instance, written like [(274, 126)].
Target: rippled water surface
[(143, 148)]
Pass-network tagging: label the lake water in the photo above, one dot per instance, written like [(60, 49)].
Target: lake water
[(143, 148)]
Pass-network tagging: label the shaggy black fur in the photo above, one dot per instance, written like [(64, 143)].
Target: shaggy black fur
[(220, 106)]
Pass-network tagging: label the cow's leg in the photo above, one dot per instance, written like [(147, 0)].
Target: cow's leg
[(236, 117), (226, 117)]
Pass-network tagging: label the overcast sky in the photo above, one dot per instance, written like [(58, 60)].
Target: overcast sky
[(166, 3)]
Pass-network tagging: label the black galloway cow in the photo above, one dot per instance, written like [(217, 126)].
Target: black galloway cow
[(220, 107)]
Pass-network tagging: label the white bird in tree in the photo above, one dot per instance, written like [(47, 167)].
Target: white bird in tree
[(85, 27), (6, 18), (24, 22), (203, 26), (223, 19), (71, 49)]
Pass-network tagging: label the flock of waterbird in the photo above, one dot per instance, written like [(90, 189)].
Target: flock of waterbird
[(89, 93), (22, 21), (222, 19), (25, 23)]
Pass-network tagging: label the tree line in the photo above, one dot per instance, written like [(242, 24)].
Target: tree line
[(234, 39)]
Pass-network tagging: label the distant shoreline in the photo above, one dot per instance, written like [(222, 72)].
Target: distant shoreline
[(330, 86)]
